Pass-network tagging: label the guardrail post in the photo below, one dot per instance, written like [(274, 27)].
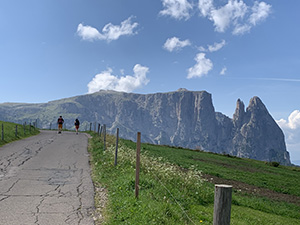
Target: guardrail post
[(137, 170), (222, 204)]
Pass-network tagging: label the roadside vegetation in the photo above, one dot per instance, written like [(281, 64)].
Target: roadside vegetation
[(177, 186), (9, 132)]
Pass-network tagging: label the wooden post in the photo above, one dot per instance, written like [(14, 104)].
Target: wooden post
[(101, 130), (90, 126), (222, 204), (50, 126), (104, 137), (24, 129), (29, 127), (16, 130), (117, 143), (137, 169), (98, 128), (2, 133)]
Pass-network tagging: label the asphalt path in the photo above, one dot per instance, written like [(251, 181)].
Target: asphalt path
[(46, 179)]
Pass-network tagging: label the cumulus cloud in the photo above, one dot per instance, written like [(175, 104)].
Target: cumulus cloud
[(293, 121), (291, 129), (88, 33), (202, 67), (234, 14), (178, 9), (205, 7), (174, 43), (109, 32), (107, 81), (260, 11)]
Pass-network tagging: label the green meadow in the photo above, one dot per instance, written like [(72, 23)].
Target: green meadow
[(9, 132), (177, 186)]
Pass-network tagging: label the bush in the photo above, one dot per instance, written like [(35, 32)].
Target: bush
[(275, 164)]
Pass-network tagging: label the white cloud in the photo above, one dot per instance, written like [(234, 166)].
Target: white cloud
[(174, 43), (235, 14), (213, 48), (223, 71), (205, 7), (293, 122), (291, 129), (201, 68), (216, 46), (109, 32), (232, 12), (178, 9), (107, 81), (241, 29), (88, 33), (260, 11)]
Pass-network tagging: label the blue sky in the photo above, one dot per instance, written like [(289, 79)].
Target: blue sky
[(53, 49)]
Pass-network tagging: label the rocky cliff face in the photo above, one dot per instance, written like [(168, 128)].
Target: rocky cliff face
[(257, 135), (182, 118)]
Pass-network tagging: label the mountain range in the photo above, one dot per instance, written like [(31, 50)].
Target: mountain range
[(181, 118)]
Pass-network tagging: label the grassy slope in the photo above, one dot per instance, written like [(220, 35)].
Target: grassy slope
[(10, 132), (172, 192)]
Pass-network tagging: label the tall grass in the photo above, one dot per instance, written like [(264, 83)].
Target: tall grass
[(171, 193), (9, 132)]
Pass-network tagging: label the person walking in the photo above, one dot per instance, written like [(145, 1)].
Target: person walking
[(60, 122), (76, 123)]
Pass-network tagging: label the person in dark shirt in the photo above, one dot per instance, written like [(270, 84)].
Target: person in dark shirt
[(60, 122), (76, 123)]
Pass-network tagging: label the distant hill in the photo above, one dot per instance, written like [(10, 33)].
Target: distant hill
[(181, 118)]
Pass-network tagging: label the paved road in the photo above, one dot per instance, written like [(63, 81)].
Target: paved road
[(46, 180)]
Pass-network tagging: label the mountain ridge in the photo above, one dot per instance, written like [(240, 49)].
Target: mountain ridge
[(180, 118)]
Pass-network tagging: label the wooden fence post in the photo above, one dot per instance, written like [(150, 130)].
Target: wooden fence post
[(29, 127), (222, 204), (117, 143), (16, 130), (104, 137), (90, 126), (50, 126), (24, 128), (99, 128), (2, 133), (137, 169)]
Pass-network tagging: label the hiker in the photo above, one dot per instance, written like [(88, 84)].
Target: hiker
[(76, 123), (60, 122)]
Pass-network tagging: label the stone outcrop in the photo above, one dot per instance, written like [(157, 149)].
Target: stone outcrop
[(181, 118)]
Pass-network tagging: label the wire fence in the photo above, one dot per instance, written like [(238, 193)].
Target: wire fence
[(11, 131), (222, 202)]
